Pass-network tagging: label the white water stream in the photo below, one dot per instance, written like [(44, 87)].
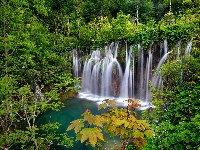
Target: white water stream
[(103, 76)]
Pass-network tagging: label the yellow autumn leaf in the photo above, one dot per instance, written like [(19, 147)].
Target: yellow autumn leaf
[(104, 105), (118, 122), (98, 120), (124, 131), (137, 133), (76, 125), (126, 124), (89, 118), (139, 142), (149, 132), (91, 134), (143, 123), (95, 120), (113, 118), (118, 131), (135, 126), (111, 102)]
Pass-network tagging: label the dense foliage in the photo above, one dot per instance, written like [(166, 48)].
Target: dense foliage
[(176, 116), (121, 122), (31, 78), (36, 39)]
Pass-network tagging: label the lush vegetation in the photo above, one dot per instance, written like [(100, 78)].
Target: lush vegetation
[(30, 63), (36, 39), (175, 119), (121, 122)]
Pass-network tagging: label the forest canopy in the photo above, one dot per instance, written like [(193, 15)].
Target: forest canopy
[(36, 42)]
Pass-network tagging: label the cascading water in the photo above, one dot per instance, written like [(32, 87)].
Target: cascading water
[(133, 79), (148, 71), (110, 69), (179, 47), (102, 76), (140, 73), (99, 73), (157, 79), (188, 49), (75, 64), (95, 78), (126, 85), (165, 46), (89, 73)]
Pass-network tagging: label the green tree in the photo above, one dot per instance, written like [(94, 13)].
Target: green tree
[(25, 43), (145, 9), (176, 116)]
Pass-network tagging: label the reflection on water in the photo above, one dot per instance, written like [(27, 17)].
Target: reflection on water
[(73, 110)]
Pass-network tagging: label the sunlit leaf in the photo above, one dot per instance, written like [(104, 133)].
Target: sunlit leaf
[(137, 133), (104, 105), (89, 118), (111, 102), (149, 132), (76, 125), (98, 120), (94, 119), (134, 105), (130, 100), (91, 134)]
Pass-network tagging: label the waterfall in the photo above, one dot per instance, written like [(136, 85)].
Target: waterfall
[(160, 50), (148, 71), (75, 64), (130, 87), (99, 73), (95, 78), (178, 51), (102, 75), (88, 72), (157, 79), (140, 75), (133, 79), (126, 86), (165, 46), (109, 65), (188, 48)]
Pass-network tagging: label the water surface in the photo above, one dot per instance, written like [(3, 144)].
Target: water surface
[(72, 111)]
